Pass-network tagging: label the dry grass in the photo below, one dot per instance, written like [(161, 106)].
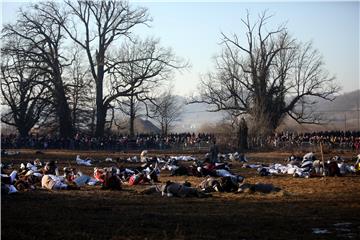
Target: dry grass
[(90, 213)]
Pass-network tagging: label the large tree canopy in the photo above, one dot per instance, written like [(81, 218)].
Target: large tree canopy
[(42, 44), (267, 76), (26, 99)]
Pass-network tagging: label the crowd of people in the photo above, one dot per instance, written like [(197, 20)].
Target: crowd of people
[(333, 139), (113, 142), (216, 174), (32, 175)]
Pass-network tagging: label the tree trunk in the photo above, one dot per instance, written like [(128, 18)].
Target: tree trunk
[(62, 109), (23, 131), (166, 129), (100, 108), (74, 119), (100, 121)]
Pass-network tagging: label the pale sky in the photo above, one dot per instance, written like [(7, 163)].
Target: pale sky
[(192, 30)]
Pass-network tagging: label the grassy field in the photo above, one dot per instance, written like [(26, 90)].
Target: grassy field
[(299, 209)]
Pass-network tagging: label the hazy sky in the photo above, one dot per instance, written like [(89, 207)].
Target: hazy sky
[(193, 29)]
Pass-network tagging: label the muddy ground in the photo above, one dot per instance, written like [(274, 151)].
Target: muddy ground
[(302, 208)]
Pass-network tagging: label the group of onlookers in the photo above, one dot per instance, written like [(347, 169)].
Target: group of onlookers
[(334, 139), (113, 142)]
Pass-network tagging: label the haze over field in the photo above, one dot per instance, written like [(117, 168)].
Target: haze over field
[(196, 115)]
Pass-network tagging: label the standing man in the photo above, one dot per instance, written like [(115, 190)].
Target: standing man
[(242, 136), (214, 151)]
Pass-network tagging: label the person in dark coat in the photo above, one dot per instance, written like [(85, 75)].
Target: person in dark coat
[(214, 151)]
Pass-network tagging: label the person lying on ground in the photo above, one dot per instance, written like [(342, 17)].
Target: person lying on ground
[(78, 178), (210, 184), (231, 183), (112, 181), (210, 169), (177, 169), (173, 189), (99, 174), (52, 182), (180, 170), (7, 182), (257, 187), (332, 169), (125, 173), (86, 162), (137, 179), (151, 171), (27, 182), (4, 152), (226, 173), (294, 160), (30, 169), (51, 168)]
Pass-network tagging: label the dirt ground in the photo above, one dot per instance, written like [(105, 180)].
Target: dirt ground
[(304, 206)]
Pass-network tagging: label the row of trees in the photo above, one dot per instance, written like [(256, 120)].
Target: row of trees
[(72, 65), (75, 64)]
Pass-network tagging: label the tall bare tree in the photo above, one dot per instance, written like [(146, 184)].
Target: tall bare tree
[(146, 67), (80, 91), (269, 76), (96, 26), (42, 39), (131, 108)]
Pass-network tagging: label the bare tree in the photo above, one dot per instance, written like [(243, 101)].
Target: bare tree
[(146, 66), (166, 111), (95, 26), (270, 76), (42, 40), (131, 108), (81, 94), (26, 100)]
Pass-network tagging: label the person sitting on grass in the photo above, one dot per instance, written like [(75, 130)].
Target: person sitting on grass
[(112, 181)]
